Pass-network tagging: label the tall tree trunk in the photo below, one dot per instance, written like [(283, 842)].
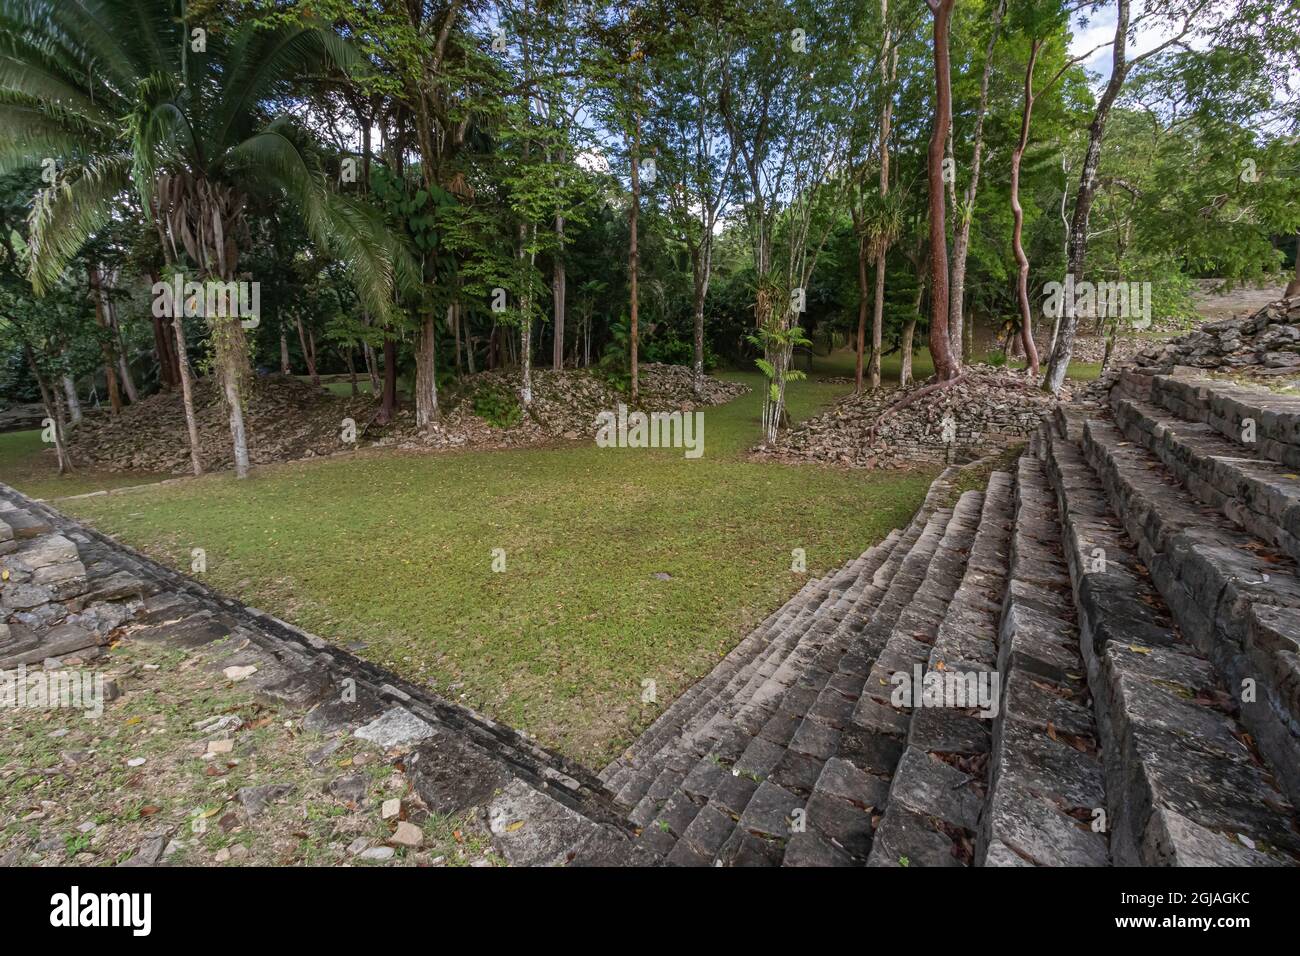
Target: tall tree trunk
[(388, 407), (633, 256), (168, 376), (352, 371), (74, 403), (123, 366), (1018, 215), (454, 311), (1293, 287), (878, 321), (961, 343), (1059, 363), (426, 372), (882, 246), (701, 266), (525, 328), (53, 412), (372, 368), (187, 388), (944, 367), (285, 368), (230, 387), (105, 343), (905, 360), (863, 290), (308, 351), (558, 291), (181, 355)]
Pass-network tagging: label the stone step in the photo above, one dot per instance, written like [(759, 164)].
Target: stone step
[(793, 636), (638, 780), (686, 752), (670, 765), (754, 744), (1234, 598), (850, 743), (937, 791), (736, 804), (805, 635), (686, 706), (1264, 422), (1257, 494), (685, 793), (1046, 782), (1156, 582)]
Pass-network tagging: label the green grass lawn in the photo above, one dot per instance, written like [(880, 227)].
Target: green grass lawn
[(392, 553)]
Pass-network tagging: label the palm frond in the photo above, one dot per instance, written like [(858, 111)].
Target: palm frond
[(260, 59), (34, 130), (276, 159), (69, 212)]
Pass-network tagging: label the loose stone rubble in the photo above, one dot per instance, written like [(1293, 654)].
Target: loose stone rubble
[(992, 407), (1266, 343), (290, 419)]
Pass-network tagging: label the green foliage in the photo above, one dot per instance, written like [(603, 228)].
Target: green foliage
[(497, 406)]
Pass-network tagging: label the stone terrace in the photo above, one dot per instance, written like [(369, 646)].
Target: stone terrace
[(1129, 590)]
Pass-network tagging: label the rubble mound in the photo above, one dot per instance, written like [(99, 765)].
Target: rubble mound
[(987, 410), (285, 418), (289, 419), (667, 387), (564, 406), (1264, 343)]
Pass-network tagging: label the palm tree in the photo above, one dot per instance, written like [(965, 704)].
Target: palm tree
[(129, 99)]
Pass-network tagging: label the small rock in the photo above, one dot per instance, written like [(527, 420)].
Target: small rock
[(87, 826), (218, 723), (74, 757), (222, 855), (377, 853), (136, 762), (358, 846), (220, 746), (391, 808), (149, 852), (408, 835), (395, 728), (237, 673), (255, 799), (322, 754), (351, 789), (50, 844)]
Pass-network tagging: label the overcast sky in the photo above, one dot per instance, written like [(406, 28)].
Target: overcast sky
[(1101, 29)]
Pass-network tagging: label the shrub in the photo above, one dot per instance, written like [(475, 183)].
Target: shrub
[(498, 406)]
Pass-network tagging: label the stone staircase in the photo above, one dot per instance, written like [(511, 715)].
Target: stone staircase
[(1108, 646)]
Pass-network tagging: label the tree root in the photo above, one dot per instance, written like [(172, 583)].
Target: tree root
[(909, 399)]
